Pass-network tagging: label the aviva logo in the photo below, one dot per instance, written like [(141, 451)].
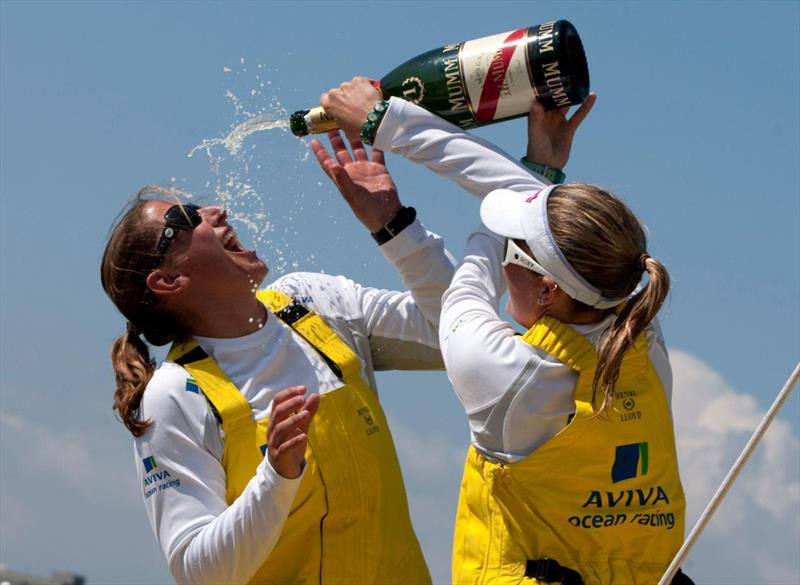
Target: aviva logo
[(630, 461), (149, 463)]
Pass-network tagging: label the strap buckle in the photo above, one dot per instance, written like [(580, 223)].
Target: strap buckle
[(292, 313), (542, 569), (550, 571)]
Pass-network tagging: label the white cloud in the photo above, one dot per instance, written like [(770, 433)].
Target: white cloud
[(760, 516), (70, 500), (38, 444)]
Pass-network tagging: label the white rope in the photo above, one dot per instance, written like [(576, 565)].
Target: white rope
[(731, 477)]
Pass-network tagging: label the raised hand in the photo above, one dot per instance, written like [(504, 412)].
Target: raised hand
[(287, 432), (363, 181), (550, 133)]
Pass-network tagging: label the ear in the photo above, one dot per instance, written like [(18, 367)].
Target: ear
[(163, 283), (547, 292)]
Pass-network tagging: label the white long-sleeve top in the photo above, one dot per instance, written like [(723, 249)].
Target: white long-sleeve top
[(178, 459), (516, 397)]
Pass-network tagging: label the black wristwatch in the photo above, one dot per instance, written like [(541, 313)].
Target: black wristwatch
[(404, 218)]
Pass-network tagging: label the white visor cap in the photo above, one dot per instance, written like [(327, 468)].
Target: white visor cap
[(523, 216)]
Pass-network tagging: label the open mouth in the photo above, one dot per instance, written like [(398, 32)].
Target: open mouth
[(231, 243)]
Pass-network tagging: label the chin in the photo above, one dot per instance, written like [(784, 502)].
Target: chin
[(260, 273)]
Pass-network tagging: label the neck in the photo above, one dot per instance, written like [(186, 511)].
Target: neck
[(590, 316), (568, 311), (228, 319)]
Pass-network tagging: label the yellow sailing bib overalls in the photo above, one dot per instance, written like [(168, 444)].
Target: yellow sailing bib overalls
[(349, 522), (602, 497)]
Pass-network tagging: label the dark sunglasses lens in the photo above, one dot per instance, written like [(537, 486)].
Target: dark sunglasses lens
[(183, 216)]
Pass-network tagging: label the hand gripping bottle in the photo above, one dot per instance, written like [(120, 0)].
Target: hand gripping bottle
[(485, 80)]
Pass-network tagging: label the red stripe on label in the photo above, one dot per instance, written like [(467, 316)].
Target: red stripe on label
[(496, 75)]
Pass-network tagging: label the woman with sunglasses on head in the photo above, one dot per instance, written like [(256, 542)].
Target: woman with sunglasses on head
[(572, 473), (263, 452)]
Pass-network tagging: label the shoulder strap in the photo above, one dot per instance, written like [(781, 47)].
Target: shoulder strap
[(313, 328), (234, 410), (562, 342), (275, 300)]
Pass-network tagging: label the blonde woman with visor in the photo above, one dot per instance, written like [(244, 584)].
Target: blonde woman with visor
[(572, 473)]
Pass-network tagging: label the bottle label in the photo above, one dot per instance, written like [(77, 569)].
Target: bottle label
[(497, 76), (318, 121)]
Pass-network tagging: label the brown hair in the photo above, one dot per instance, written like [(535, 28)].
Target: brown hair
[(127, 260), (604, 241)]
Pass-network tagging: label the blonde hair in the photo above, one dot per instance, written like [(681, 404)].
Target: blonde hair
[(127, 260), (604, 241)]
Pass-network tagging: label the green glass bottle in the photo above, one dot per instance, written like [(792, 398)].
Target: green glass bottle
[(485, 80)]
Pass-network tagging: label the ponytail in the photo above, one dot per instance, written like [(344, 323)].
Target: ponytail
[(634, 318), (127, 260), (605, 243), (133, 368)]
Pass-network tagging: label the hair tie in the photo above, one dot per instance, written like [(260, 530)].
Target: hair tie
[(132, 329), (642, 263)]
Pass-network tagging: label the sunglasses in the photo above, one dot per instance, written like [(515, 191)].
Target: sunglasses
[(178, 217), (513, 254)]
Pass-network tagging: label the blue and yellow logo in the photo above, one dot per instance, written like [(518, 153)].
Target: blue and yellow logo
[(149, 463), (191, 386), (629, 461)]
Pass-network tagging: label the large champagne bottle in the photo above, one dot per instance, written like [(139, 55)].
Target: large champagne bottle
[(485, 80)]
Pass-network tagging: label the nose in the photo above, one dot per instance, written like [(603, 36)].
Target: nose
[(214, 214)]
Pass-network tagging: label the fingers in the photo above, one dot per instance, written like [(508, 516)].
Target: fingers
[(286, 402), (339, 148), (287, 432), (295, 424), (583, 111), (312, 404), (292, 448), (323, 158), (291, 416), (377, 157), (359, 152), (287, 457), (350, 102)]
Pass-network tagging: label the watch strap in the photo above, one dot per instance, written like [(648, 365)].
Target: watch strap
[(552, 174), (404, 218)]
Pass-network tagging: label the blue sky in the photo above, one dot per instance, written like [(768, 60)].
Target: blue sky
[(697, 127)]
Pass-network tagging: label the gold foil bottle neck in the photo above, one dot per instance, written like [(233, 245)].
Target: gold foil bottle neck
[(319, 121)]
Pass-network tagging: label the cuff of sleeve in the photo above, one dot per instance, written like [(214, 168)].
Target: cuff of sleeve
[(390, 125), (407, 242)]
